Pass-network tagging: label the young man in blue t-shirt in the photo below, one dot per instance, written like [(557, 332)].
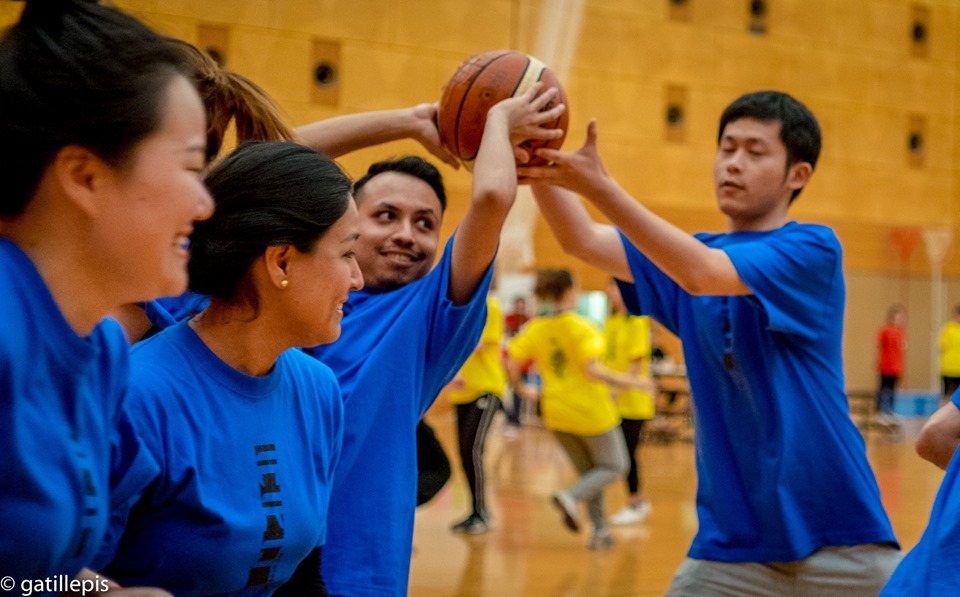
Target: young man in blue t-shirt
[(930, 569), (786, 497), (406, 334)]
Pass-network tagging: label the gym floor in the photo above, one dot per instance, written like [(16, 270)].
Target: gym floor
[(529, 553)]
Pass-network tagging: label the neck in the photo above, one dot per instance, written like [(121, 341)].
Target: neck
[(238, 338), (764, 222), (71, 275)]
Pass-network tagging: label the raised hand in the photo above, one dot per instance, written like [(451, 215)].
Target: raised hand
[(426, 133), (525, 115), (581, 171)]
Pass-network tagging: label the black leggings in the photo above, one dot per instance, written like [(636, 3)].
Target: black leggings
[(632, 430), (473, 422)]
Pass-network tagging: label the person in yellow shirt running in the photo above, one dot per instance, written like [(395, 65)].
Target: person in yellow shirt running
[(576, 402), (628, 350), (950, 356), (477, 391)]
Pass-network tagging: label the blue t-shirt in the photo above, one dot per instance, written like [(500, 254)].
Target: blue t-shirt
[(930, 569), (782, 468), (247, 466), (396, 352), (167, 311), (60, 416)]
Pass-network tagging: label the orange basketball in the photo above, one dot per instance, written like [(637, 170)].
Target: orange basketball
[(479, 83)]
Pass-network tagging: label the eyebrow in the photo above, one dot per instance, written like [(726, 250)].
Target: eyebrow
[(350, 237), (386, 204), (740, 139)]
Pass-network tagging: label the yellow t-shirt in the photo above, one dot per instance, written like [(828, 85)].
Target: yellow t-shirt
[(561, 346), (950, 350), (483, 372), (628, 339)]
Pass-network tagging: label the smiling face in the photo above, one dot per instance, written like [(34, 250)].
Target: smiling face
[(320, 282), (751, 177), (151, 203), (400, 219)]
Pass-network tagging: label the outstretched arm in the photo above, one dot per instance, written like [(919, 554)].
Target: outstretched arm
[(342, 134), (697, 268), (940, 436), (495, 185), (617, 380), (578, 234)]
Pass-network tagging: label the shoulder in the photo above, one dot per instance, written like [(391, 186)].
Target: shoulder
[(306, 365), (815, 236)]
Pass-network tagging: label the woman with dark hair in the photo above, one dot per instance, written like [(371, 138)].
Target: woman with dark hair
[(245, 427), (231, 99), (103, 147)]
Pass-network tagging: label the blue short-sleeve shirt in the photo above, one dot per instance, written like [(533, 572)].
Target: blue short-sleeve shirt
[(782, 469), (396, 352)]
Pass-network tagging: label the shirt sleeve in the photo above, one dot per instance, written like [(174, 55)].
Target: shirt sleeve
[(652, 292), (590, 341), (793, 275), (493, 328), (520, 348), (455, 330)]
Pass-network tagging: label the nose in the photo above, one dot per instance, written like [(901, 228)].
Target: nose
[(403, 233), (356, 276), (204, 205), (733, 161)]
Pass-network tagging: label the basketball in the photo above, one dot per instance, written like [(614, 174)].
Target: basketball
[(482, 81)]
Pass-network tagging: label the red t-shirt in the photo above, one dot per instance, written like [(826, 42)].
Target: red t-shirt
[(890, 344)]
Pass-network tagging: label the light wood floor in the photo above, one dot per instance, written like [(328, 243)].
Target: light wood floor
[(529, 553)]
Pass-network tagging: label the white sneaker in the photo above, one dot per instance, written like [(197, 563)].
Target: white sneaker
[(602, 539), (632, 514)]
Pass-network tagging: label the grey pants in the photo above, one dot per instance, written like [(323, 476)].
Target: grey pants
[(849, 571), (600, 460)]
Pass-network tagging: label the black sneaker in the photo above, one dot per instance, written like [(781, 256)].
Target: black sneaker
[(471, 525)]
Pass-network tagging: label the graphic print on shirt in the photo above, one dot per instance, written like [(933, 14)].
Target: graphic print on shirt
[(558, 359), (89, 498), (270, 501)]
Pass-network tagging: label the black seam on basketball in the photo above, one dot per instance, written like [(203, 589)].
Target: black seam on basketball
[(466, 92), (522, 75)]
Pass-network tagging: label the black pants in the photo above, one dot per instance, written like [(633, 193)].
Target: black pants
[(433, 466), (632, 430), (473, 423), (888, 384)]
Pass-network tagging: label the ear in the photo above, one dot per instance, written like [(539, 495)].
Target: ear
[(79, 173), (277, 262), (798, 175)]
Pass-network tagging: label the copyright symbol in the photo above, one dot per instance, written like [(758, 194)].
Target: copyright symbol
[(7, 583)]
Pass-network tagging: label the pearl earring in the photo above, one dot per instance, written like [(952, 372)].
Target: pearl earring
[(284, 283)]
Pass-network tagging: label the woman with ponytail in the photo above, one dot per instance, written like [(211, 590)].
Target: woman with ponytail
[(103, 151), (231, 98)]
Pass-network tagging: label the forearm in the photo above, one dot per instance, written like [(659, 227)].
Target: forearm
[(342, 134), (493, 192), (614, 379), (940, 436), (578, 234), (697, 268), (513, 373), (494, 169)]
